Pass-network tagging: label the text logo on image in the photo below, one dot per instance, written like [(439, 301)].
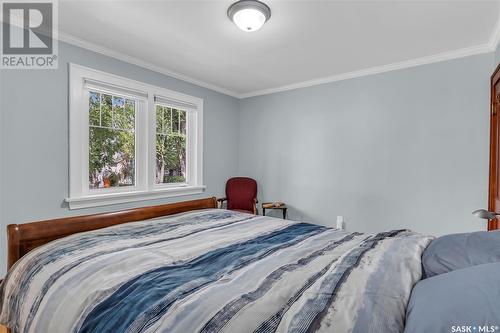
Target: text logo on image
[(29, 38)]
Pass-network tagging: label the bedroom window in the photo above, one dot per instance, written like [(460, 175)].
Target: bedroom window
[(131, 141)]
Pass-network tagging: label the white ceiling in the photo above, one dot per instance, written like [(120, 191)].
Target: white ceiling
[(303, 41)]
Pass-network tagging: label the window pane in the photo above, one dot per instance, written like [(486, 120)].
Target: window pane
[(167, 121), (159, 119), (129, 114), (118, 106), (171, 147), (123, 113), (182, 115), (106, 111), (112, 145), (94, 108), (175, 121)]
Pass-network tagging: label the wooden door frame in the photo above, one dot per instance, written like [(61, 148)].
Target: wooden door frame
[(493, 190)]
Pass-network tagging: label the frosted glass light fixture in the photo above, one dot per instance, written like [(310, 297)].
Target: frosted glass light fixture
[(249, 15)]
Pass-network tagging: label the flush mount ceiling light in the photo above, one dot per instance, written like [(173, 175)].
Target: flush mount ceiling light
[(249, 15)]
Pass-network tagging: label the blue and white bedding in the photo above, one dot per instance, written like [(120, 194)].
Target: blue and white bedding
[(215, 271)]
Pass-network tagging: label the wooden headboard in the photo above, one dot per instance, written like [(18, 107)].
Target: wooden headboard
[(22, 238)]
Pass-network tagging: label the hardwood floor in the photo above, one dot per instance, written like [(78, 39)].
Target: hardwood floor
[(3, 329)]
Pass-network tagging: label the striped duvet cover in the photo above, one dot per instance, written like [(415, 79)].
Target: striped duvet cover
[(215, 271)]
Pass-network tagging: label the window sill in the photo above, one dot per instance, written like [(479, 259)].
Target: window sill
[(124, 197)]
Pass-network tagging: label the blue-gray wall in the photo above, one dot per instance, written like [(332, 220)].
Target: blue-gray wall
[(402, 149), (34, 137)]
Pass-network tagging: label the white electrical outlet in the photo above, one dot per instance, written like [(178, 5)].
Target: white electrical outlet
[(340, 222)]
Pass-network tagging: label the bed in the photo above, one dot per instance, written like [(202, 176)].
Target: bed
[(190, 267)]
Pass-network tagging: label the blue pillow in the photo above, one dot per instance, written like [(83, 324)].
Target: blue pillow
[(456, 301), (451, 252)]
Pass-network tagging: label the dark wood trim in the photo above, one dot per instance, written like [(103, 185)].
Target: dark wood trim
[(493, 190), (255, 201), (22, 238)]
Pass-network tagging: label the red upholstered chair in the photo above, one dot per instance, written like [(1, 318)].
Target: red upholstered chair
[(241, 195)]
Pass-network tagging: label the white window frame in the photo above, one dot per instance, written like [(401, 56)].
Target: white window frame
[(145, 95)]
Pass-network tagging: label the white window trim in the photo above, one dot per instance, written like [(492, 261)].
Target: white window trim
[(80, 196)]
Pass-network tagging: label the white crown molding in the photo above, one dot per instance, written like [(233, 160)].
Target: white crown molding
[(495, 36), (70, 39), (465, 52), (488, 47)]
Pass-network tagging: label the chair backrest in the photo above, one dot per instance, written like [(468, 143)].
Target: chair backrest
[(241, 193)]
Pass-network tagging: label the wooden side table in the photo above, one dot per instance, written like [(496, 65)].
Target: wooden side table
[(282, 208)]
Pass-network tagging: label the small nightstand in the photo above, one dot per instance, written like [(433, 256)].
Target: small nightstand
[(283, 208)]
